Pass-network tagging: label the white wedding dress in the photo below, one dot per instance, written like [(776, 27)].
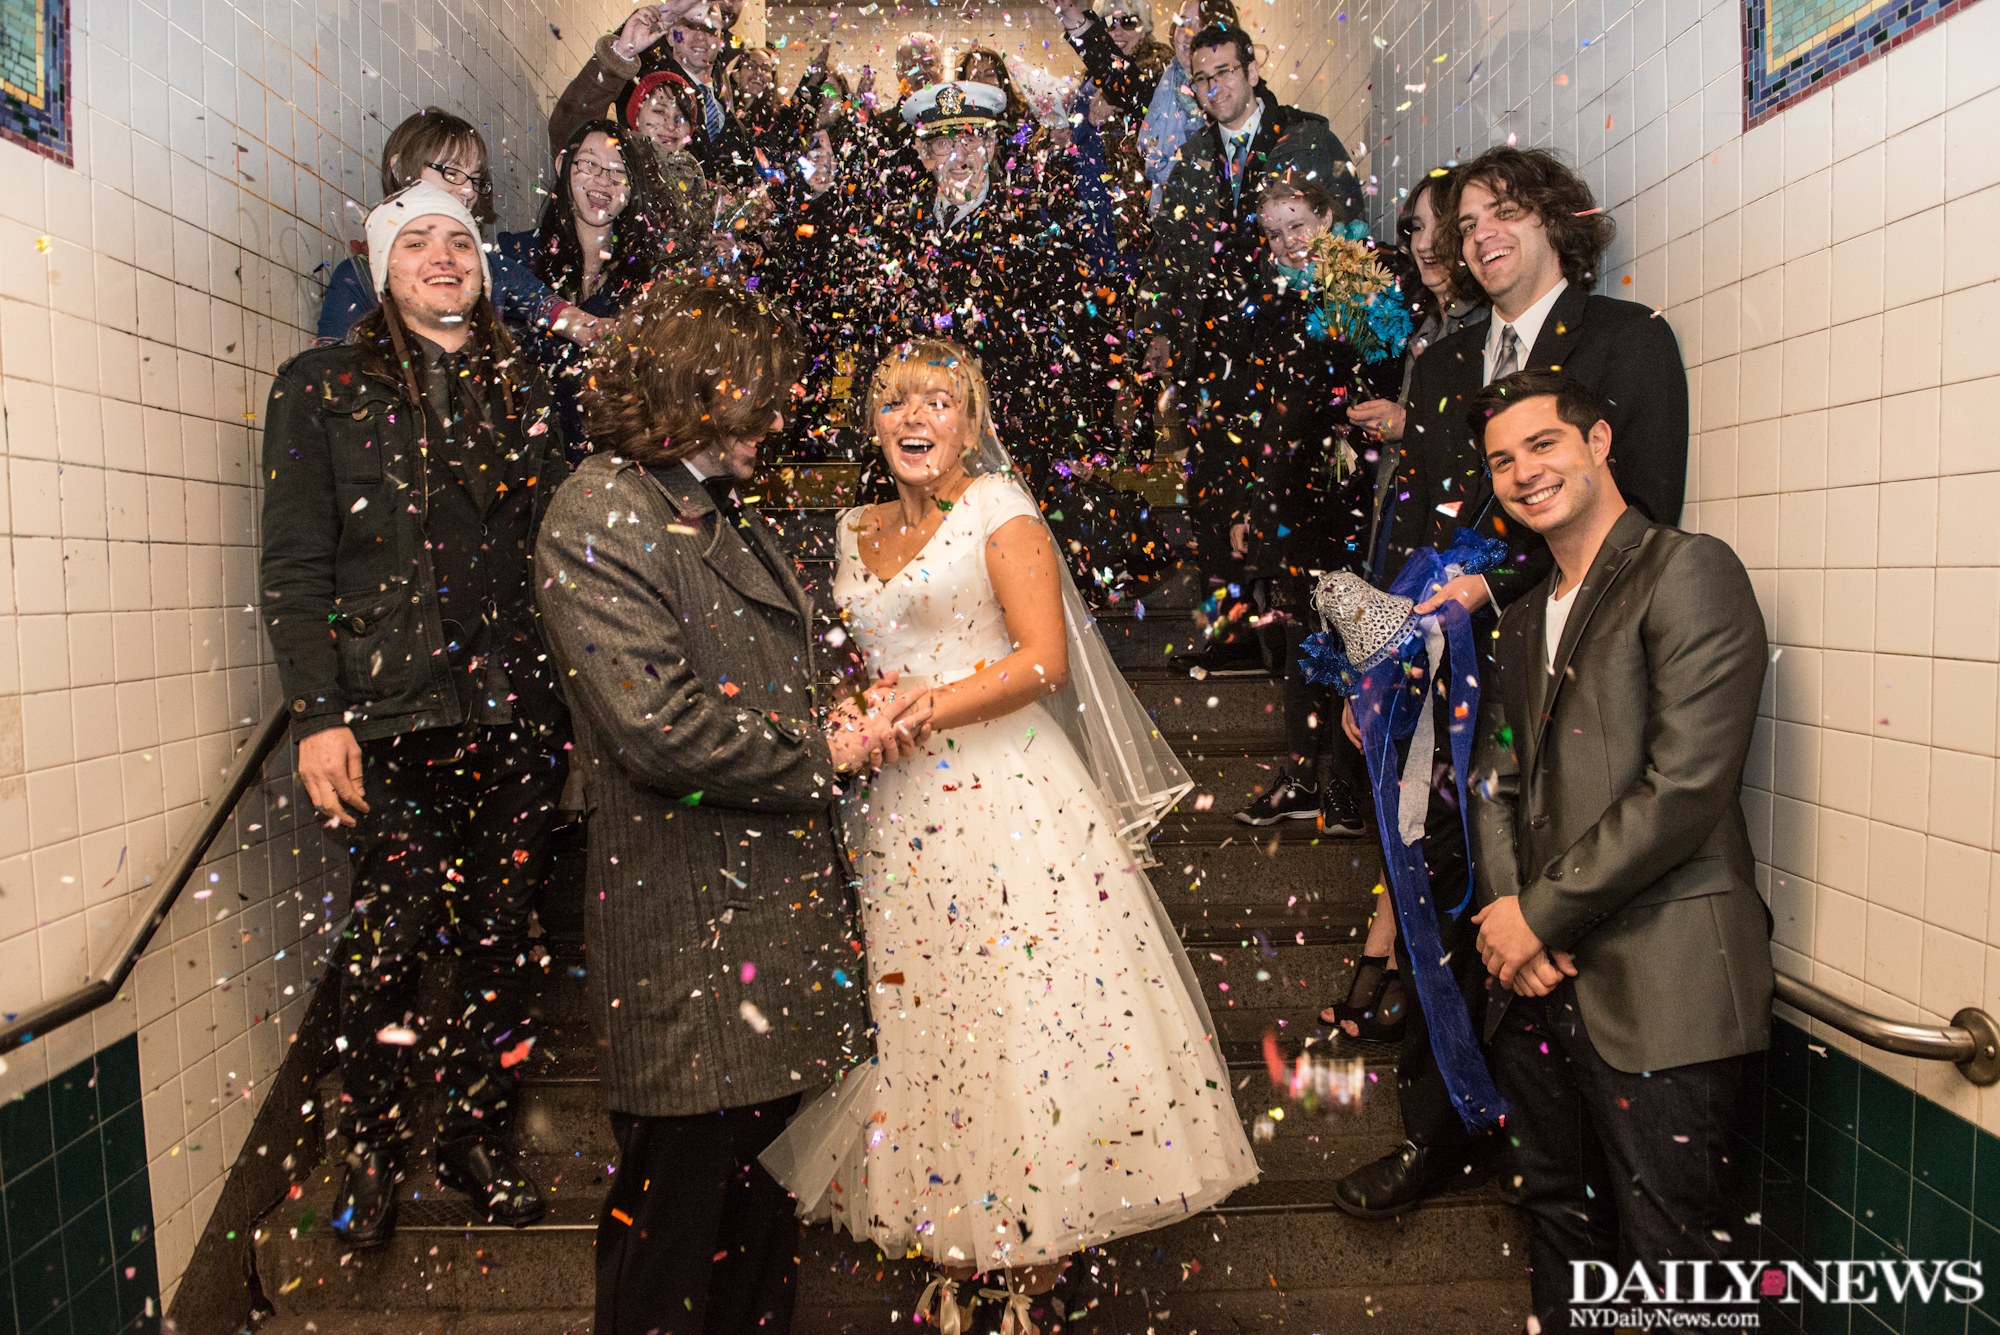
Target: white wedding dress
[(1046, 1076)]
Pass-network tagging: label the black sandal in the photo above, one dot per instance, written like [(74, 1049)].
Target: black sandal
[(1376, 1002)]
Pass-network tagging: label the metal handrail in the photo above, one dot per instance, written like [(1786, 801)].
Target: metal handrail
[(1971, 1041), (51, 1015)]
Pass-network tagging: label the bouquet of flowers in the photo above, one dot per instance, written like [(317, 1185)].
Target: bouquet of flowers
[(1354, 297)]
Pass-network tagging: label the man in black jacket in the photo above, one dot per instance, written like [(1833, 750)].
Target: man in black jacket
[(405, 473), (1532, 237)]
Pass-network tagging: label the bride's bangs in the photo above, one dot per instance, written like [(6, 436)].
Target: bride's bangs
[(913, 368)]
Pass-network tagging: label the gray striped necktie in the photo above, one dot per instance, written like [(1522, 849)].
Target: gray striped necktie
[(1509, 360)]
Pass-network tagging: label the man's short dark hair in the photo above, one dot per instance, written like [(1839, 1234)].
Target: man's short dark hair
[(1543, 184), (1576, 403), (1226, 34)]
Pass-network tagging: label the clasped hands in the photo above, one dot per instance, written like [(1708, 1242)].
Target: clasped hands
[(1515, 955), (882, 727)]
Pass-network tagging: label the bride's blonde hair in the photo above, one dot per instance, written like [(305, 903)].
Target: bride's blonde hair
[(931, 363)]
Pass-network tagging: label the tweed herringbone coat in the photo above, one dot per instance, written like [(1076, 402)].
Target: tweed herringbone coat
[(723, 965)]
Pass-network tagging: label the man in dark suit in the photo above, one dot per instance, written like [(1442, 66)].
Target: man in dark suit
[(724, 971), (1531, 236), (1612, 863)]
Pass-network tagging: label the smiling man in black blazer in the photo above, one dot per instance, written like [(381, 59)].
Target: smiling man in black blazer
[(1531, 236)]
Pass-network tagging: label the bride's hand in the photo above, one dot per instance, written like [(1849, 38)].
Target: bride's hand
[(909, 727), (881, 737), (883, 691)]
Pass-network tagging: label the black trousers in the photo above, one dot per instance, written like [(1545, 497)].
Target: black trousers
[(1614, 1166), (1312, 713), (446, 863), (695, 1236)]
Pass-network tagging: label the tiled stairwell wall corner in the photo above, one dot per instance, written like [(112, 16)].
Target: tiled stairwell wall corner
[(1833, 279), (147, 294)]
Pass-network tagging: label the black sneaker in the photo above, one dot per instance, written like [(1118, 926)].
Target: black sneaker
[(1340, 815), (1288, 799)]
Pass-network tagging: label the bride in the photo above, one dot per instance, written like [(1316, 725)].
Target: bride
[(1046, 1076)]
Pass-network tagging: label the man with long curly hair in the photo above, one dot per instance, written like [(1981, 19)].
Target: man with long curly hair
[(718, 913), (1531, 237), (405, 472)]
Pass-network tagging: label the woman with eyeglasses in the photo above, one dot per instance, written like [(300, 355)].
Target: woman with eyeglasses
[(448, 152), (603, 236)]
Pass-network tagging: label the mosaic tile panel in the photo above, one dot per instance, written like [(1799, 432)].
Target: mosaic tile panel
[(34, 76), (1792, 48)]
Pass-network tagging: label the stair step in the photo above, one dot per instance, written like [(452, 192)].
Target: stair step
[(1248, 1264), (1476, 1307), (575, 1322), (446, 1258), (1468, 1308), (1248, 713)]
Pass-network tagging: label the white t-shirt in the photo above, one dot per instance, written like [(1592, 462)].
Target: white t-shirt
[(1558, 617)]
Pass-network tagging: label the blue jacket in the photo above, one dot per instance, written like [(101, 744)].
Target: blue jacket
[(350, 294)]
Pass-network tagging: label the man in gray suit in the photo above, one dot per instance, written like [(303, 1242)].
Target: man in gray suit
[(1614, 871), (724, 972)]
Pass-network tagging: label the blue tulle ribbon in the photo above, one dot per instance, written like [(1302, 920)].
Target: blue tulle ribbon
[(1389, 700)]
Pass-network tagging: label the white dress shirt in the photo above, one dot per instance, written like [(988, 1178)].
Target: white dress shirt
[(1527, 327)]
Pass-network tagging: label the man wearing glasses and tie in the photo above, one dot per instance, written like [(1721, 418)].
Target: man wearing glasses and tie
[(1207, 242)]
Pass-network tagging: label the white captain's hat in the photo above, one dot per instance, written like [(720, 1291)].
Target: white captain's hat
[(963, 105)]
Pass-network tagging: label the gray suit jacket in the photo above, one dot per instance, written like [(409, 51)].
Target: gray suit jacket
[(1606, 795), (723, 965)]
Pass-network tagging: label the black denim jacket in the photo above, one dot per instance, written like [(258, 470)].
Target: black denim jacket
[(348, 580)]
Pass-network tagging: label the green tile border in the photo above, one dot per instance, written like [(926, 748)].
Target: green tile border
[(1833, 1160), (76, 1202)]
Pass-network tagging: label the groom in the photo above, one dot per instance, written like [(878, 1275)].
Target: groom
[(725, 977)]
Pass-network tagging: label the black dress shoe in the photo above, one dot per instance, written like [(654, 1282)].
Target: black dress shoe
[(366, 1215), (490, 1175), (1404, 1177)]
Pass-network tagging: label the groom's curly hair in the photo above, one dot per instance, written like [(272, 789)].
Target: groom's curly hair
[(692, 363)]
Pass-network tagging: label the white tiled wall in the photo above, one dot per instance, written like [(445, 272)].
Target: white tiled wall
[(1834, 279), (146, 297)]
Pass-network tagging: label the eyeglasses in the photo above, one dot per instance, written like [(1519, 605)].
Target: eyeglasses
[(1204, 83), (1128, 22), (479, 181), (613, 172)]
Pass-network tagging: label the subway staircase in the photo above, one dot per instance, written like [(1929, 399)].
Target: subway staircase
[(1272, 920)]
